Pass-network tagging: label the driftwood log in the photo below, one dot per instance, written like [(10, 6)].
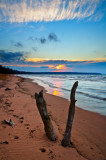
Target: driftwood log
[(67, 134), (41, 105)]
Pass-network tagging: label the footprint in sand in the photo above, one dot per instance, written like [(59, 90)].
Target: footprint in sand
[(16, 137), (42, 149), (27, 124), (5, 142), (51, 154), (21, 117), (7, 89), (11, 110), (31, 133), (15, 116), (21, 121)]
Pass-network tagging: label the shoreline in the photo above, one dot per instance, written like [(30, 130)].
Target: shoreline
[(87, 98), (88, 132), (62, 97)]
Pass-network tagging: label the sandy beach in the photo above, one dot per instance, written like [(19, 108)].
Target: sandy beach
[(26, 140)]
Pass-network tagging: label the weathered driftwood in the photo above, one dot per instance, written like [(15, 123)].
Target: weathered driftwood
[(67, 134), (41, 105)]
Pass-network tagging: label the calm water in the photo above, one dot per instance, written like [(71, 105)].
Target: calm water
[(90, 94)]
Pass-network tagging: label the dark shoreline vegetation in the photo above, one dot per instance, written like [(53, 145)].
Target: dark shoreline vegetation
[(6, 70)]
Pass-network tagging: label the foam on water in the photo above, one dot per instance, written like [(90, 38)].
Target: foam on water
[(90, 94)]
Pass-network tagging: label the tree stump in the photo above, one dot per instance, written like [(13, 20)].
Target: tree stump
[(67, 134), (48, 127)]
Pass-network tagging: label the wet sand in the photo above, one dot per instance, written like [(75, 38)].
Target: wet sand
[(26, 140)]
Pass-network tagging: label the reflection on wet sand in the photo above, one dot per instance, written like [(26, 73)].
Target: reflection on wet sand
[(57, 93), (58, 84), (57, 90)]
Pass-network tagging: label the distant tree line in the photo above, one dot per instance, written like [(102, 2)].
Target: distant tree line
[(6, 70)]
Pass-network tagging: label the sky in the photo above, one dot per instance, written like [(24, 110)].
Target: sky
[(53, 35)]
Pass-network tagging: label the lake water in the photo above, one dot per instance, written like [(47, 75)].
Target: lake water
[(90, 94)]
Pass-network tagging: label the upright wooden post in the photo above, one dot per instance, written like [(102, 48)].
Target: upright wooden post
[(67, 134), (41, 105)]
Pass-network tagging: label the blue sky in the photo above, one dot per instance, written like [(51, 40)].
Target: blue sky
[(56, 35)]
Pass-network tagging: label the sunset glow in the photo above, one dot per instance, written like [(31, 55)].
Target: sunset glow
[(60, 67), (35, 59), (53, 36)]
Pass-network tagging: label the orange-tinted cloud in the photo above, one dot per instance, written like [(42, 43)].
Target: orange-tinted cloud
[(35, 60), (100, 59), (61, 66)]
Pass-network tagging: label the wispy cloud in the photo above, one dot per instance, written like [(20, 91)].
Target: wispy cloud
[(31, 38), (34, 60), (64, 61), (42, 40), (53, 10), (18, 44), (34, 49)]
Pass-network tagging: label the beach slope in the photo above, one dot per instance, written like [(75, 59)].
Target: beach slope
[(27, 139)]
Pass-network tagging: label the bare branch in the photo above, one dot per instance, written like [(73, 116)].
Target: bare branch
[(67, 134), (41, 105)]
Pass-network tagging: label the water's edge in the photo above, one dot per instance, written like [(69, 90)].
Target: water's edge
[(90, 94)]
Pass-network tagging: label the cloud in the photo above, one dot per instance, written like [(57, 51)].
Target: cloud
[(18, 44), (31, 38), (42, 40), (34, 49), (52, 37), (34, 60), (47, 10), (9, 57), (18, 59), (56, 65), (44, 67), (56, 68)]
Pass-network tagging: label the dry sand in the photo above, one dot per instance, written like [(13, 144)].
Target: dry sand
[(27, 139)]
